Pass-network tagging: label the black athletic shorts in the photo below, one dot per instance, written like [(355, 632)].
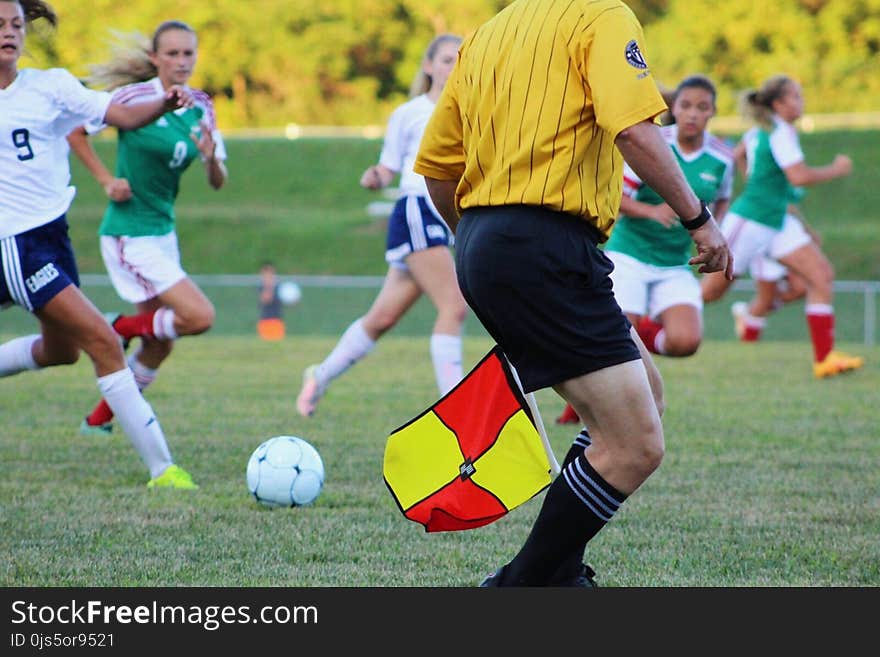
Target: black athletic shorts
[(539, 284)]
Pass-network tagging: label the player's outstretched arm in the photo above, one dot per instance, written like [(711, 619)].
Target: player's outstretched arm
[(137, 115)]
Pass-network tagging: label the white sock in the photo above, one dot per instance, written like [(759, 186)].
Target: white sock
[(660, 341), (137, 419), (819, 309), (352, 346), (143, 375), (446, 356), (163, 324), (17, 355)]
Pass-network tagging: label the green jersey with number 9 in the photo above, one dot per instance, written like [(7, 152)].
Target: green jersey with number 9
[(152, 159)]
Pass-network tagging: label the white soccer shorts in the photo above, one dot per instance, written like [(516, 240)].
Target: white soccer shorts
[(142, 268), (642, 289)]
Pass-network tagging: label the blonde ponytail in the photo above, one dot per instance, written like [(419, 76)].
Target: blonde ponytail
[(130, 58), (129, 62)]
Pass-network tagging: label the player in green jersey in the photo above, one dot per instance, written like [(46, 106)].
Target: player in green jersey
[(758, 224), (653, 282), (138, 238)]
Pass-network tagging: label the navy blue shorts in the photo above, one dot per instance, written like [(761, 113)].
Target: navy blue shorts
[(413, 226), (540, 285), (37, 265)]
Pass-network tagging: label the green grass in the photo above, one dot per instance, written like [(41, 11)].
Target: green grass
[(299, 203), (770, 477)]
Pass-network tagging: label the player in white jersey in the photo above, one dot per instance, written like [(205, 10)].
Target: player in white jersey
[(37, 110), (417, 245), (758, 224), (138, 237)]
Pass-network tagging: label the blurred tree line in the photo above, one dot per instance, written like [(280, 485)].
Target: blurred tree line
[(349, 62)]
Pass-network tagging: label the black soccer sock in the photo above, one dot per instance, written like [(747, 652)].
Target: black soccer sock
[(571, 567), (581, 442), (578, 504)]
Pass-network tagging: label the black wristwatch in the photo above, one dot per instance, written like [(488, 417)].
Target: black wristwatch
[(703, 217)]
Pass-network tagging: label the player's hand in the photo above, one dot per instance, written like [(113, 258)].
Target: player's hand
[(372, 179), (204, 140), (664, 215), (712, 251), (842, 165), (118, 190), (177, 97)]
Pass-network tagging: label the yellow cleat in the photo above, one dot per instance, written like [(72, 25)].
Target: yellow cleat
[(836, 363), (173, 477)]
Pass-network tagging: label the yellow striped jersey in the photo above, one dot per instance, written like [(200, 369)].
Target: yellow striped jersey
[(532, 109)]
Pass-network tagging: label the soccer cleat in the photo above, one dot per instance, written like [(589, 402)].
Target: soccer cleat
[(311, 393), (836, 363), (173, 477), (111, 320), (494, 579), (86, 429), (569, 416), (739, 310), (584, 578)]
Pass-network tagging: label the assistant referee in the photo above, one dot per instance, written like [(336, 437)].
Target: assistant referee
[(523, 157)]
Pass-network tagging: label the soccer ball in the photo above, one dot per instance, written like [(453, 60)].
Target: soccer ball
[(285, 471), (289, 293)]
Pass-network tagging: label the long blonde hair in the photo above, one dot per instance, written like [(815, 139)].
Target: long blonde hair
[(422, 82), (757, 104), (130, 57)]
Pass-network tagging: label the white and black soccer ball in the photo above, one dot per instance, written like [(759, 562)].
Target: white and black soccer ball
[(289, 293), (285, 471)]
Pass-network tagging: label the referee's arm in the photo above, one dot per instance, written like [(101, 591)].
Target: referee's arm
[(648, 154), (443, 194)]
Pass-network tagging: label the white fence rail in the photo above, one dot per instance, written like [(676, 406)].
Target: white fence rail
[(868, 289)]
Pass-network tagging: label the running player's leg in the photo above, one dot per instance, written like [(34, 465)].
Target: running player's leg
[(434, 271), (399, 292), (811, 263), (71, 318), (676, 302)]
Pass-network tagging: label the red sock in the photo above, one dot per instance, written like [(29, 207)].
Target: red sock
[(752, 333), (648, 330), (100, 415), (822, 333), (568, 416), (132, 326)]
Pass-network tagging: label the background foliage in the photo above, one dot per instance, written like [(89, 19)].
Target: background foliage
[(348, 62)]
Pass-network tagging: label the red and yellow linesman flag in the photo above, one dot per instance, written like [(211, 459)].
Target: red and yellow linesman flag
[(472, 456)]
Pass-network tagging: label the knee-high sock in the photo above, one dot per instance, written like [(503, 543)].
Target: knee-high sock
[(446, 356), (820, 319), (17, 355), (157, 324), (577, 506), (137, 419), (352, 346), (143, 376)]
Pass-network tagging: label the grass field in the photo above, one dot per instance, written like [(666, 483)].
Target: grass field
[(770, 477), (299, 204)]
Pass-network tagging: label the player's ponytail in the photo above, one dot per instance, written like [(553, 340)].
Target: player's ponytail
[(130, 58), (757, 104), (422, 82)]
